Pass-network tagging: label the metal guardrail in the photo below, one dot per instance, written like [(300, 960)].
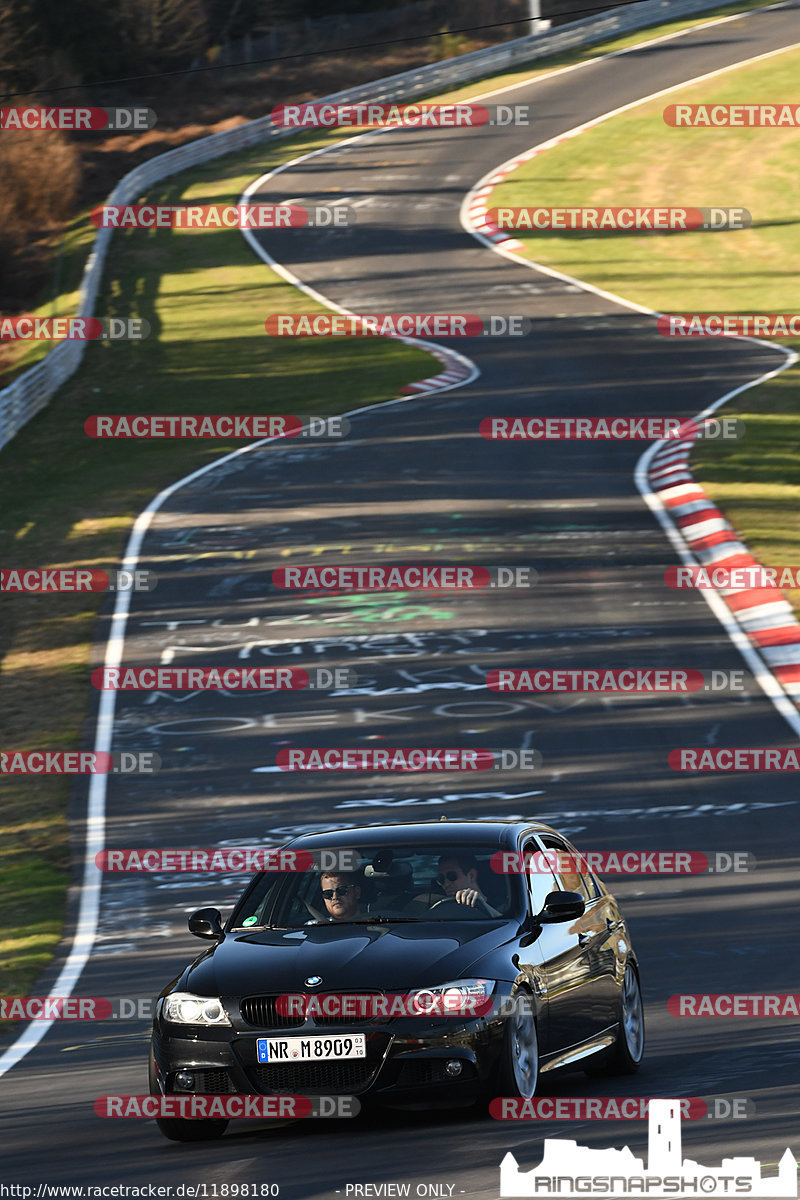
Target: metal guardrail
[(32, 391)]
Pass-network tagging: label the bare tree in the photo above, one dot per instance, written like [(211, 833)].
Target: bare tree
[(160, 33)]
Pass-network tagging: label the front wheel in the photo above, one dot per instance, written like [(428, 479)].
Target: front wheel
[(177, 1129), (519, 1068)]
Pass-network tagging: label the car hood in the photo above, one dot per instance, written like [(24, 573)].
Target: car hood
[(347, 957)]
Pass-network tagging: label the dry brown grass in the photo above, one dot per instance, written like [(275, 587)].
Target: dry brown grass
[(40, 178)]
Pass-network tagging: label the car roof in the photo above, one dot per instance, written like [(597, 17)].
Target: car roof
[(499, 833)]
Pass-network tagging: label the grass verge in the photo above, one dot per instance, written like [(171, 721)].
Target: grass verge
[(751, 270)]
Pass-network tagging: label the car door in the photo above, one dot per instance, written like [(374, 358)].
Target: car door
[(552, 959), (580, 956)]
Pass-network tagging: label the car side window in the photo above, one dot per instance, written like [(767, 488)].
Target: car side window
[(567, 870), (540, 881)]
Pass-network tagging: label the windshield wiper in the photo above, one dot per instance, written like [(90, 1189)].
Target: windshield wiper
[(377, 921), (358, 921), (256, 928)]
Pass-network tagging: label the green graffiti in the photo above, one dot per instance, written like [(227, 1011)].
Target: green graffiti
[(384, 607)]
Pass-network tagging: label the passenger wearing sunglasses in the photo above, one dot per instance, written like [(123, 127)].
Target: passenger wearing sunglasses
[(458, 878), (341, 894)]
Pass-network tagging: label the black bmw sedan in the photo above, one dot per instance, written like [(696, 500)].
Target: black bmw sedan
[(407, 965)]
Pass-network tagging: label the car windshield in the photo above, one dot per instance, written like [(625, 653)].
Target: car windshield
[(397, 883)]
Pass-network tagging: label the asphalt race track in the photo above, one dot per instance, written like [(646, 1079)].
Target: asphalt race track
[(414, 481)]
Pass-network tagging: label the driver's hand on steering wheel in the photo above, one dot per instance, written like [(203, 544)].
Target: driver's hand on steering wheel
[(469, 896)]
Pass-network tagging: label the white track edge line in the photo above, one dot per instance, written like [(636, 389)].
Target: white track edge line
[(89, 904)]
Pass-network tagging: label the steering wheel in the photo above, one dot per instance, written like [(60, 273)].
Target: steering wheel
[(315, 913), (461, 907)]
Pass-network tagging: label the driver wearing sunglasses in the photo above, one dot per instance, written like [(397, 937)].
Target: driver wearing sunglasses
[(458, 878), (341, 894)]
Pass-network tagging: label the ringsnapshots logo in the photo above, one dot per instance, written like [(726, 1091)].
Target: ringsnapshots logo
[(431, 577), (221, 216), (119, 120), (392, 115), (223, 425), (419, 325), (570, 1171), (639, 219)]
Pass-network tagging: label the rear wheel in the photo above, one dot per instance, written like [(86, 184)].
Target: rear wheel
[(519, 1068), (177, 1129)]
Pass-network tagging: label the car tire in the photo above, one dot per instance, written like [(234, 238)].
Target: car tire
[(519, 1064), (175, 1128), (628, 1051)]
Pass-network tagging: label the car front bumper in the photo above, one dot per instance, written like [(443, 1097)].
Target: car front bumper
[(444, 1062)]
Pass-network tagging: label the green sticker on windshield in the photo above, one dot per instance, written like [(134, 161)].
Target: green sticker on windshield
[(250, 921)]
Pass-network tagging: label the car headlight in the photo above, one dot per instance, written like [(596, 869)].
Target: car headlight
[(183, 1008), (462, 997)]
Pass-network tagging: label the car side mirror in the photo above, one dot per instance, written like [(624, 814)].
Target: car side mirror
[(206, 923), (561, 906)]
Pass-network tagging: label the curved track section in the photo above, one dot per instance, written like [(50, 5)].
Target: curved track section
[(416, 482)]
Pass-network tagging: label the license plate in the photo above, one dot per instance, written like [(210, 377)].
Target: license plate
[(281, 1051)]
